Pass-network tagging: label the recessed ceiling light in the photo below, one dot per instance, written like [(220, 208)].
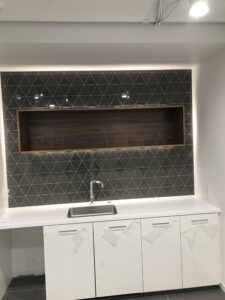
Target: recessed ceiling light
[(199, 9)]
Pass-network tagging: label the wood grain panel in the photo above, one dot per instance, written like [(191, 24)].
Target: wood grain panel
[(80, 129)]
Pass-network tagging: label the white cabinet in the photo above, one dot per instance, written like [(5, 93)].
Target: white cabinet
[(118, 257), (161, 254), (69, 262), (200, 238), (131, 256)]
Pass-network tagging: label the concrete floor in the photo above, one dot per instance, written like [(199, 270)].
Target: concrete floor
[(37, 292)]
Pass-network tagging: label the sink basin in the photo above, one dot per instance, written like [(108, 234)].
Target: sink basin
[(92, 210)]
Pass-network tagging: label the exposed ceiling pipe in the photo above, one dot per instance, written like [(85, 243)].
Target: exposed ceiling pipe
[(163, 9)]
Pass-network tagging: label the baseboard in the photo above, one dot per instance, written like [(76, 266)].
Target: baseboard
[(222, 286)]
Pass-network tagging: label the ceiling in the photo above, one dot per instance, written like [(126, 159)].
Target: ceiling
[(103, 11), (106, 34)]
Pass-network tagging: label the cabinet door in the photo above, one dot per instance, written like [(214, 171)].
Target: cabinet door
[(118, 257), (200, 236), (69, 262), (161, 254)]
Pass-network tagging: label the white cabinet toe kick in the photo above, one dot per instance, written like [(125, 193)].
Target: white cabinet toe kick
[(131, 256)]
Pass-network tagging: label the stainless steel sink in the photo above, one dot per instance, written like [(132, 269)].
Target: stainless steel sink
[(92, 210)]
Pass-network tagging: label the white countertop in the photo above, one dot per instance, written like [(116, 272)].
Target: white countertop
[(36, 216)]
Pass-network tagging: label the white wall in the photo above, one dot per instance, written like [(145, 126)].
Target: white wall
[(44, 45), (210, 139), (3, 176), (27, 251), (21, 253), (5, 261)]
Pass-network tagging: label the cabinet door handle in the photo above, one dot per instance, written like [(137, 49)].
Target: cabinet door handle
[(200, 221), (163, 224), (117, 228), (68, 232)]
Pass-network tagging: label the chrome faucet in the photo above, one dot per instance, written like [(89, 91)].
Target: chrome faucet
[(92, 195)]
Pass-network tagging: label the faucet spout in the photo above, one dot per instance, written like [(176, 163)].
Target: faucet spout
[(92, 195)]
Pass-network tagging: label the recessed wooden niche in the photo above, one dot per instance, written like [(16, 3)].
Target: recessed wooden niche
[(100, 128)]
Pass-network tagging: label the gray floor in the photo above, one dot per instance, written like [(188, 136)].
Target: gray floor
[(38, 293), (26, 288)]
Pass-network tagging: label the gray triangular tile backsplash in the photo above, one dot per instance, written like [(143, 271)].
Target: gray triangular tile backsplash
[(38, 179)]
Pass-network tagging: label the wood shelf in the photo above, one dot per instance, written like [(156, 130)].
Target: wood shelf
[(99, 128)]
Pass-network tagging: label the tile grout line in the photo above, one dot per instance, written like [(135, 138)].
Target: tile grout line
[(29, 189)]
